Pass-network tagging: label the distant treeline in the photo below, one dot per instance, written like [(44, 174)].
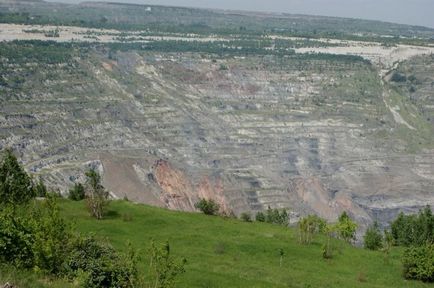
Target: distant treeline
[(202, 22)]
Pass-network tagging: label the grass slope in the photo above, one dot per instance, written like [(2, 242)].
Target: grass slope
[(230, 253)]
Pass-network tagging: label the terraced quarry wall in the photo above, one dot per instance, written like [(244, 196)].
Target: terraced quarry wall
[(314, 114), (310, 134)]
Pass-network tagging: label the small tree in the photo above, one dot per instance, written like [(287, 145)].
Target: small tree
[(260, 216), (15, 185), (97, 195), (346, 228), (77, 192), (327, 248), (208, 207), (373, 239)]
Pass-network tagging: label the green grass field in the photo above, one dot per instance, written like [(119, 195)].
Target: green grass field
[(223, 252)]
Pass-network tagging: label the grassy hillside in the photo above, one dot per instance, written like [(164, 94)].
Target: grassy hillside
[(230, 253)]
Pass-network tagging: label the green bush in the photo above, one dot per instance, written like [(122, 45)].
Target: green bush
[(208, 207), (373, 238), (275, 216), (51, 236), (16, 240), (418, 263), (77, 192), (97, 264), (346, 227), (260, 217), (34, 236)]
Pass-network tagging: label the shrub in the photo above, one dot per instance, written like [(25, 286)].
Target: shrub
[(260, 217), (15, 185), (77, 192), (373, 239), (16, 239), (34, 237), (97, 264), (418, 263), (51, 236), (246, 217), (208, 207)]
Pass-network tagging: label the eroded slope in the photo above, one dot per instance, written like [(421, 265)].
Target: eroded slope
[(308, 133)]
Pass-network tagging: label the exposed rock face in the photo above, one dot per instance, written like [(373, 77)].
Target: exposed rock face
[(168, 129), (177, 190)]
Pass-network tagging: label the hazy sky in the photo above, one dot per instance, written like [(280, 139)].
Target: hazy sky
[(418, 12)]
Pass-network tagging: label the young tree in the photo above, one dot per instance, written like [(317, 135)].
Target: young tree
[(164, 268), (15, 184), (373, 239), (346, 227), (309, 226), (97, 195)]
